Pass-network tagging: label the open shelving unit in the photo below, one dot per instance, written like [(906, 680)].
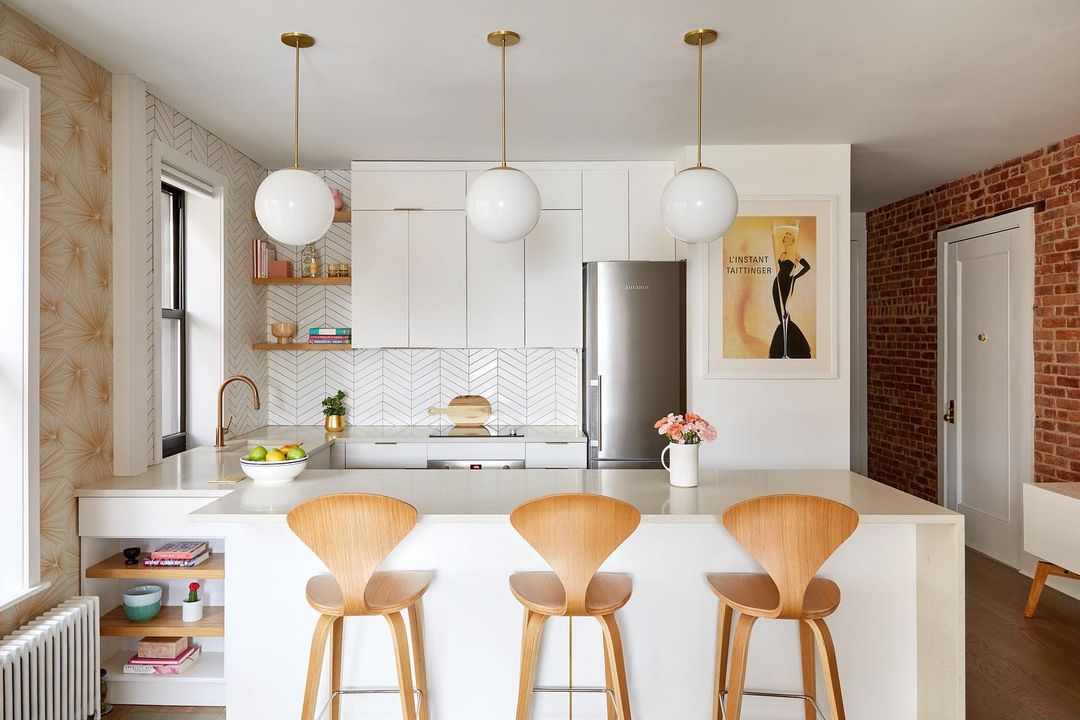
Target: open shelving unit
[(203, 684)]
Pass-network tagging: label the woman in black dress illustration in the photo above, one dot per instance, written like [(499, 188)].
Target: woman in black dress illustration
[(788, 340)]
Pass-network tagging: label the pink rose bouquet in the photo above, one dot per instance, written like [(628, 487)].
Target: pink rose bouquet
[(689, 429)]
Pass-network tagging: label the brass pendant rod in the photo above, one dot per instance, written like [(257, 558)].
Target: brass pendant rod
[(503, 52), (700, 50), (296, 113)]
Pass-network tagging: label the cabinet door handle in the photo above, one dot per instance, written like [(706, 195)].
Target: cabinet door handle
[(385, 442)]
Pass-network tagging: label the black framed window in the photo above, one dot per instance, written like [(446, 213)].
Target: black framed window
[(173, 378)]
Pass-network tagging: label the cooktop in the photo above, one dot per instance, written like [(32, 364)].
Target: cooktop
[(497, 431)]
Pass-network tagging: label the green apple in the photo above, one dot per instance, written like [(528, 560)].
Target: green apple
[(296, 453), (257, 454)]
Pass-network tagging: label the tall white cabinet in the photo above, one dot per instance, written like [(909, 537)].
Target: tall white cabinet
[(437, 279), (553, 290), (380, 278), (496, 290)]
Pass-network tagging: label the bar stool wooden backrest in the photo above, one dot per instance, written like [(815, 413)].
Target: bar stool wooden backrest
[(575, 533), (791, 536), (352, 533)]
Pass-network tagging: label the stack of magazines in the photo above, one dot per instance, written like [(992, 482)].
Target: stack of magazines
[(178, 554)]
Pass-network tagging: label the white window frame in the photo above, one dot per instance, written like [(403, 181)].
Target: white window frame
[(19, 291)]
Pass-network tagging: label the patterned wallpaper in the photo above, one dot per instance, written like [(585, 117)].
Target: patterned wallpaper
[(244, 301), (76, 299), (396, 387)]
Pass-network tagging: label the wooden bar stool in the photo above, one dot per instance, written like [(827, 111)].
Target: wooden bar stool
[(791, 536), (352, 534), (574, 533)]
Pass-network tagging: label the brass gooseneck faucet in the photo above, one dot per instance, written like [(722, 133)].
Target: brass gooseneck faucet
[(219, 433)]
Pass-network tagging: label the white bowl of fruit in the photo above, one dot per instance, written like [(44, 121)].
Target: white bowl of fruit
[(274, 466)]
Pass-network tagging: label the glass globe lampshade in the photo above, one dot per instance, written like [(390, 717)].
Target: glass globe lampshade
[(698, 205), (503, 204), (294, 206)]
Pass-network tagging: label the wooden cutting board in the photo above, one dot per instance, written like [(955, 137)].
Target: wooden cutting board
[(465, 411)]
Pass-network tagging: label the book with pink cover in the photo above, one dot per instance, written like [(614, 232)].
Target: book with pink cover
[(163, 666), (178, 551)]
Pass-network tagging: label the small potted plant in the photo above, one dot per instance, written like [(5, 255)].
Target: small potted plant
[(333, 408), (191, 610), (685, 435)]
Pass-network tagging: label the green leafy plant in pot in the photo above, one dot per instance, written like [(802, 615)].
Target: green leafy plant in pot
[(333, 407)]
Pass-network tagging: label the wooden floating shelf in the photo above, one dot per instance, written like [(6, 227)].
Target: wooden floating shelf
[(113, 567), (340, 216), (302, 281), (299, 346), (167, 622)]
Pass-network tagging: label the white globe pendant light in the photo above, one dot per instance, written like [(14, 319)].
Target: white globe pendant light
[(295, 206), (503, 204), (699, 204)]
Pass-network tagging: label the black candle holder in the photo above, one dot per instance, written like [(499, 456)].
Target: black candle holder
[(132, 555)]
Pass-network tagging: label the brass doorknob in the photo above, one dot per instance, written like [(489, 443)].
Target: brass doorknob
[(950, 414)]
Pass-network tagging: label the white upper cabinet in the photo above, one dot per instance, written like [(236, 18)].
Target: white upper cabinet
[(437, 279), (649, 240), (553, 281), (408, 190), (559, 189), (605, 215), (496, 296), (380, 279)]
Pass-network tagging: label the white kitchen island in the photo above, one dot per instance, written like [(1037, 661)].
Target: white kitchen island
[(899, 630)]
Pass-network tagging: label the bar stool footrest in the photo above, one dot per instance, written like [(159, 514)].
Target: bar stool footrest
[(774, 694), (417, 694)]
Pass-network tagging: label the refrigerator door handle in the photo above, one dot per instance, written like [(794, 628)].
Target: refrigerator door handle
[(598, 441)]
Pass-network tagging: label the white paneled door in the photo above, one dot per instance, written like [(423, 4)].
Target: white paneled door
[(553, 281), (437, 279), (987, 415)]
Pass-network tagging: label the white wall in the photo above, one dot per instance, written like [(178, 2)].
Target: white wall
[(775, 423)]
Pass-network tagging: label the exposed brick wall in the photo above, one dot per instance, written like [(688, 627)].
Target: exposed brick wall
[(901, 315)]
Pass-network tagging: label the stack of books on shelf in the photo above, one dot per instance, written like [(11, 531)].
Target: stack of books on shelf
[(163, 656), (330, 336), (178, 554)]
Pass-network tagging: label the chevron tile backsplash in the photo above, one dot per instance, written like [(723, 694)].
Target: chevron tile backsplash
[(396, 387)]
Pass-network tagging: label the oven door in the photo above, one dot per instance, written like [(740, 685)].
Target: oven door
[(476, 464)]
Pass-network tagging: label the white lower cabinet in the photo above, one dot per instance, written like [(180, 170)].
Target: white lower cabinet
[(360, 456), (496, 293), (553, 281), (552, 455)]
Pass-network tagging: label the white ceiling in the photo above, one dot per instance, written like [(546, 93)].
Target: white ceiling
[(925, 90)]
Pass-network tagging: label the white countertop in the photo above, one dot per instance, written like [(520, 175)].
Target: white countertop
[(490, 495), (189, 473), (1068, 489)]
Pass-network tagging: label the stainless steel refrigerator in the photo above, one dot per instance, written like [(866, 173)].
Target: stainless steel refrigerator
[(634, 360)]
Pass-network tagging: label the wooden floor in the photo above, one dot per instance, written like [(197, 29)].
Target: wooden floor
[(1019, 669)]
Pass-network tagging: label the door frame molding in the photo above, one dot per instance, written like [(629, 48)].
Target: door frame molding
[(1022, 359)]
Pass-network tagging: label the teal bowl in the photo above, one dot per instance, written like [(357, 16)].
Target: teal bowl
[(142, 603), (142, 613)]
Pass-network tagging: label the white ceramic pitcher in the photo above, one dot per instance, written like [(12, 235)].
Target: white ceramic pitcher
[(683, 468)]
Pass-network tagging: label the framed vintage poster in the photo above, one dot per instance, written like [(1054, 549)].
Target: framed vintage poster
[(770, 291)]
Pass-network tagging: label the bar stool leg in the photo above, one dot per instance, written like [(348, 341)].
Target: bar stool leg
[(809, 678), (618, 666), (530, 649), (609, 700), (739, 653), (336, 648), (315, 661), (416, 632), (404, 666), (723, 641), (828, 657)]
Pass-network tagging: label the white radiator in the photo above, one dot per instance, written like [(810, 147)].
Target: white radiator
[(49, 667)]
